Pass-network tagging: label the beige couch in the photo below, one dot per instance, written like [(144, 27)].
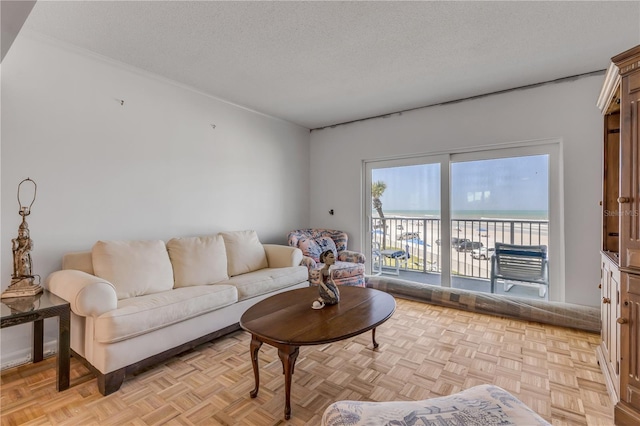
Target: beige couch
[(135, 303)]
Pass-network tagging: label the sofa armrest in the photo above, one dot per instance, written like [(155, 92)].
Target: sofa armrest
[(87, 294), (351, 256), (279, 256)]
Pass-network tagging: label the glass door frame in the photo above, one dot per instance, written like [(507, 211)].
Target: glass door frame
[(445, 231), (552, 147)]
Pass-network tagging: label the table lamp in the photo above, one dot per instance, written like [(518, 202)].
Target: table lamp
[(23, 281)]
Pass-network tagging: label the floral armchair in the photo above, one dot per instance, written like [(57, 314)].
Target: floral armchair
[(349, 266)]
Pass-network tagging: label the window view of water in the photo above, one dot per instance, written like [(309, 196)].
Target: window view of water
[(474, 214), (492, 201)]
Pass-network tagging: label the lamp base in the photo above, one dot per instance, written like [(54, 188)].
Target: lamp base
[(21, 287)]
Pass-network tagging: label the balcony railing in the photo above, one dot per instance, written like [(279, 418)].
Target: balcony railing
[(473, 241)]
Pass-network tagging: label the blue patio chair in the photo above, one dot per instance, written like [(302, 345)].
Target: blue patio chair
[(520, 265)]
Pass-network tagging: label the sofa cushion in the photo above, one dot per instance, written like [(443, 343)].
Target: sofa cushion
[(144, 314), (135, 268), (267, 280), (245, 253), (198, 260)]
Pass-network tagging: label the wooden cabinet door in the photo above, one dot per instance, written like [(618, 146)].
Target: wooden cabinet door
[(630, 340), (629, 200), (610, 312), (605, 308), (615, 329)]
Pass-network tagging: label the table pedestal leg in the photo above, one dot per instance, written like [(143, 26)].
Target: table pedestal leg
[(288, 356), (254, 348)]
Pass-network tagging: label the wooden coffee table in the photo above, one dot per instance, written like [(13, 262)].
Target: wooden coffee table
[(286, 321)]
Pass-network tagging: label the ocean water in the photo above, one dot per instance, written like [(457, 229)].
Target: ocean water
[(472, 214)]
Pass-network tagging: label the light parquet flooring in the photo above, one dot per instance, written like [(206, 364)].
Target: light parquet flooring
[(425, 351)]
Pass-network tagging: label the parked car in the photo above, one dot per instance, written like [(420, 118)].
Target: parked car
[(469, 245), (455, 242), (483, 253), (409, 236)]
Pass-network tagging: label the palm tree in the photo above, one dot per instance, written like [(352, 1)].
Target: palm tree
[(377, 189)]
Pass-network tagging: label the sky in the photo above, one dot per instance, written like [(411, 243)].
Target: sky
[(519, 183)]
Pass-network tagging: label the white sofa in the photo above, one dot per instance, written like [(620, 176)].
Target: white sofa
[(135, 303)]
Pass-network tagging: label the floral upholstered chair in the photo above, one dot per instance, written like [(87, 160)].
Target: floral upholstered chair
[(349, 266)]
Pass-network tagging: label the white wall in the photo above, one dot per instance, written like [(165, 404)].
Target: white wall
[(152, 168), (564, 110)]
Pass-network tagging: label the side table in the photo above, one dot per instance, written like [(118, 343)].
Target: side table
[(34, 309)]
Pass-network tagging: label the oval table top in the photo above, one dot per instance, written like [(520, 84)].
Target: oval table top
[(288, 318)]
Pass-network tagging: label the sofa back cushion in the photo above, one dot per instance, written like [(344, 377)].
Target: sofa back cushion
[(135, 268), (245, 253), (198, 260)]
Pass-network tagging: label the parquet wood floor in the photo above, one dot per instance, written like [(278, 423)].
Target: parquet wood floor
[(425, 351)]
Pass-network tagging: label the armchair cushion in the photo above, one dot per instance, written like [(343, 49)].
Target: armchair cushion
[(326, 243), (310, 248), (351, 256), (343, 273), (340, 238)]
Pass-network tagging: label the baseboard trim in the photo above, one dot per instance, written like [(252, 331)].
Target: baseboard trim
[(25, 356), (608, 380), (624, 414)]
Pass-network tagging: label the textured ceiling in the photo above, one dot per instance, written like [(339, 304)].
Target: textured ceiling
[(324, 63)]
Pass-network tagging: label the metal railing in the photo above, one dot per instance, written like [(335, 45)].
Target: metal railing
[(472, 241)]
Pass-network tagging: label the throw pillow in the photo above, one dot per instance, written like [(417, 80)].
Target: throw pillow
[(135, 268), (310, 248), (245, 253), (198, 260), (326, 243)]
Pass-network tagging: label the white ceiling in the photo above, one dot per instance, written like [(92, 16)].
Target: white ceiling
[(324, 63)]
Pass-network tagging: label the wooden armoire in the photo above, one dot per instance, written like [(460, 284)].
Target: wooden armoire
[(619, 352)]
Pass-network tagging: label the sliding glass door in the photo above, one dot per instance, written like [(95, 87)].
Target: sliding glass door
[(436, 219), (404, 218), (496, 200)]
